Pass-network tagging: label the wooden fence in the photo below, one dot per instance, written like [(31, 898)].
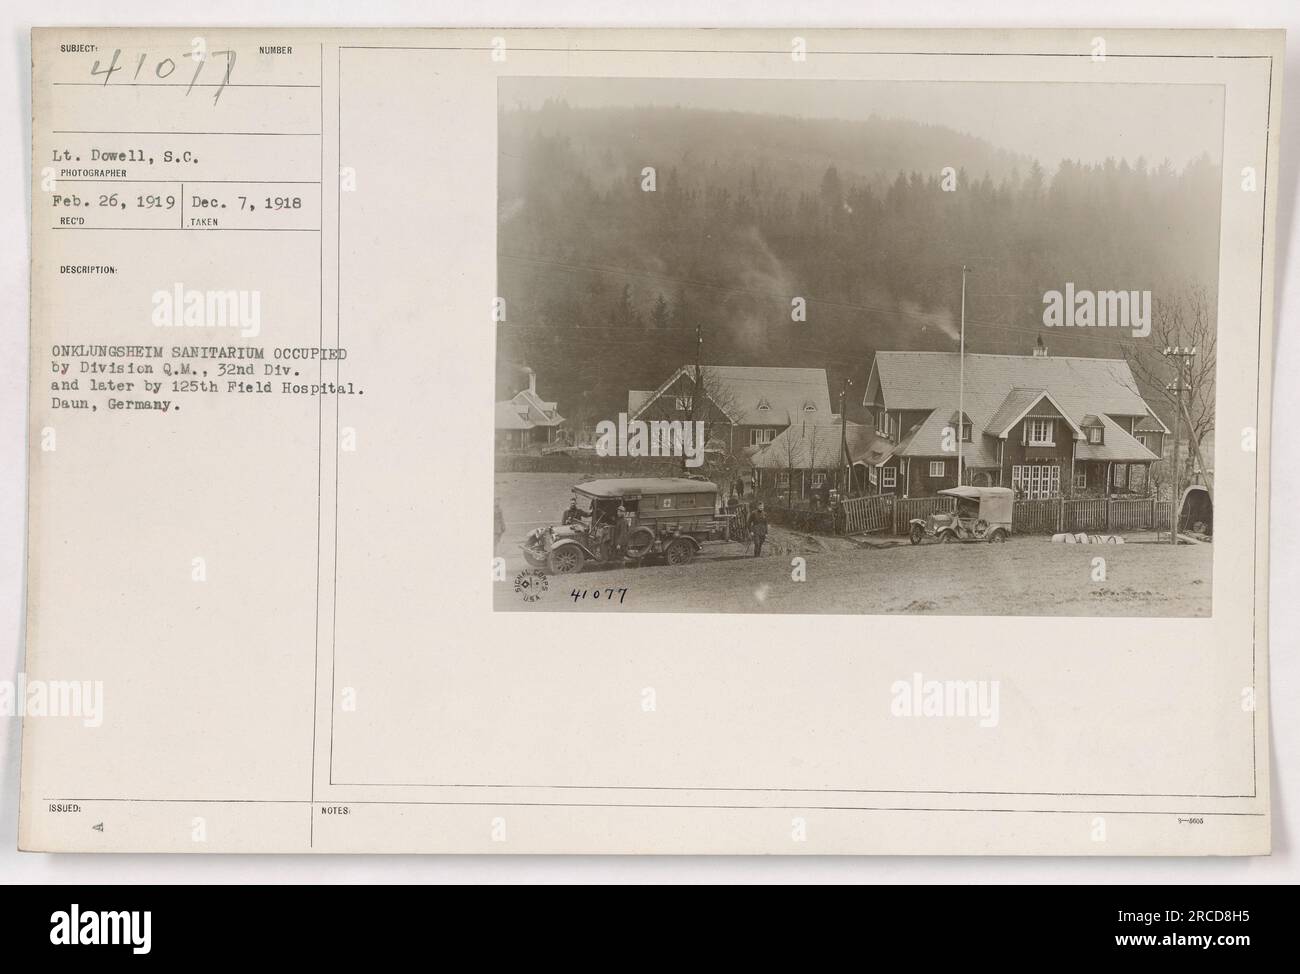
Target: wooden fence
[(1035, 516), (907, 508), (863, 515), (1094, 515), (1089, 514)]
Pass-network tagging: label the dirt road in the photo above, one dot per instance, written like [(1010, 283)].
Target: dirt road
[(1027, 576)]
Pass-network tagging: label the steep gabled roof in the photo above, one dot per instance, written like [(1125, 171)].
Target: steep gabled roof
[(926, 439), (812, 446), (995, 385), (919, 380), (539, 411), (1116, 445), (511, 417), (784, 392), (1150, 423), (1022, 405), (1016, 404), (875, 452)]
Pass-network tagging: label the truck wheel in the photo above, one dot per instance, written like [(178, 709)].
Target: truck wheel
[(679, 552), (998, 536), (949, 537), (537, 561), (917, 534), (641, 543), (566, 561)]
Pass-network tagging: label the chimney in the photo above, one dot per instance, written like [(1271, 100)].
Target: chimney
[(1040, 350), (532, 380)]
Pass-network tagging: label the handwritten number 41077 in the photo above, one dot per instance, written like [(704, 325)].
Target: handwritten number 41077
[(164, 67), (596, 594)]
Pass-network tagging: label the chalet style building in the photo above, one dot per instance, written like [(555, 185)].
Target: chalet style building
[(526, 420), (1044, 426), (806, 457), (746, 408)]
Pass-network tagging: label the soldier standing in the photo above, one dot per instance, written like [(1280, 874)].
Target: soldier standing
[(758, 525), (622, 529)]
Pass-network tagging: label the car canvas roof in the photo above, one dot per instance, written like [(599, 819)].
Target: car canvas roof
[(636, 486), (975, 493)]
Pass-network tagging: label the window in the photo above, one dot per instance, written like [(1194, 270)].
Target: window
[(1096, 435), (764, 404), (761, 437), (965, 431), (882, 422), (888, 477), (1081, 480), (818, 478), (1145, 440), (936, 468), (810, 407), (783, 478), (683, 404), (1036, 481), (1040, 432), (666, 503)]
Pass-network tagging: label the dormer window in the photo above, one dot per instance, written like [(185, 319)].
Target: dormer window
[(810, 407), (683, 404), (1096, 435), (764, 404)]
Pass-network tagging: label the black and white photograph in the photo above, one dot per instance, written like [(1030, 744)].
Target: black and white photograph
[(877, 423), (857, 347)]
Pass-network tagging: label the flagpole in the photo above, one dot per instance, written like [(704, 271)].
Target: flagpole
[(961, 382)]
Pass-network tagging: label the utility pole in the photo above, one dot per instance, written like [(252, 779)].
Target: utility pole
[(961, 371), (844, 437), (699, 384), (699, 379), (1181, 357)]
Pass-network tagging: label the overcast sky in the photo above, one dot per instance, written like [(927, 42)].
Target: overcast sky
[(1050, 122)]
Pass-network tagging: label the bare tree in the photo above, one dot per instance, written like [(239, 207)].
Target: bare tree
[(791, 456), (1185, 320), (810, 443), (724, 403), (710, 399), (580, 423)]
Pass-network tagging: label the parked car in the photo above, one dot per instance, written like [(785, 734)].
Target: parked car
[(665, 517), (982, 514)]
